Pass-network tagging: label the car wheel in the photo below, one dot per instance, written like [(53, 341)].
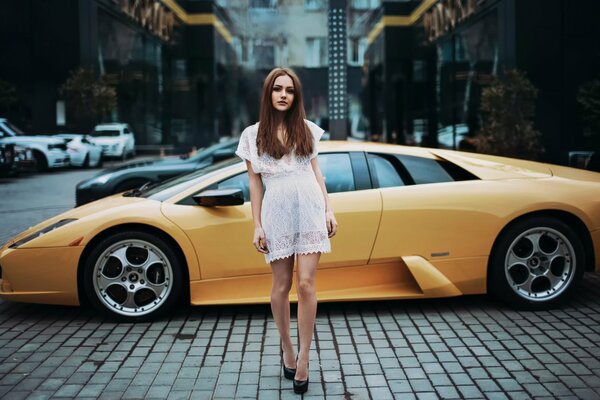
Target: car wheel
[(41, 163), (86, 161), (133, 276), (536, 263)]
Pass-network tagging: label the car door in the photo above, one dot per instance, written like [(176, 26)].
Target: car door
[(436, 215), (223, 235)]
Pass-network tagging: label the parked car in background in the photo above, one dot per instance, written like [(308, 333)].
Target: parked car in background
[(116, 139), (47, 151), (7, 159), (135, 174), (82, 151)]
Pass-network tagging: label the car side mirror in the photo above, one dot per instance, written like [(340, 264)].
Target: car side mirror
[(223, 154), (219, 197)]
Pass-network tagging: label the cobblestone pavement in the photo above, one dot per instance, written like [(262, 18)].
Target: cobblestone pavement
[(469, 347)]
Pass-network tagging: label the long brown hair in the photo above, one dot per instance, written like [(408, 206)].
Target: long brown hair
[(298, 136)]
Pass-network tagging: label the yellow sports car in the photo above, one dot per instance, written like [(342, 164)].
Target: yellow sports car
[(413, 223)]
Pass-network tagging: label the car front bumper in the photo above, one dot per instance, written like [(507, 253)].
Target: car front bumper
[(40, 275), (58, 159)]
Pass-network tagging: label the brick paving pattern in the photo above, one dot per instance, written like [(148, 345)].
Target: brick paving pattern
[(468, 347)]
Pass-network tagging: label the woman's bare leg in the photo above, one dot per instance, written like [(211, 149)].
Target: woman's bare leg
[(307, 308), (282, 271)]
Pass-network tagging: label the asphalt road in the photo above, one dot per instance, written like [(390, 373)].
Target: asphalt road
[(468, 347)]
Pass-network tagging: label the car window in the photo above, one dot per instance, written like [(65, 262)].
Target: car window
[(110, 132), (385, 171), (425, 170), (336, 169), (337, 172), (239, 181)]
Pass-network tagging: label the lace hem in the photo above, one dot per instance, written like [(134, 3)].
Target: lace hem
[(280, 255)]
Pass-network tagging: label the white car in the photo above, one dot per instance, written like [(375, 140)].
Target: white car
[(48, 152), (116, 139), (82, 151)]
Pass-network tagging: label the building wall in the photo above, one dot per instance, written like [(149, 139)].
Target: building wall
[(425, 93)]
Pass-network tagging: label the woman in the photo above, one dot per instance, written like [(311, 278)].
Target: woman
[(294, 218)]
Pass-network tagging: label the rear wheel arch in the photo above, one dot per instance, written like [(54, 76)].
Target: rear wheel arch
[(570, 219), (580, 240), (185, 299)]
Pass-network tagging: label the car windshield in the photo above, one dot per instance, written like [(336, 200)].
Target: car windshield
[(109, 132), (180, 183), (14, 128)]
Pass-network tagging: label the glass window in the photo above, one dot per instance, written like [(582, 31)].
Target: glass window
[(264, 54), (314, 5), (425, 170), (263, 3), (337, 172), (239, 181), (383, 172), (316, 52)]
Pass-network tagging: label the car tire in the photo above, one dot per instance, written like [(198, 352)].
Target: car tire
[(86, 161), (133, 276), (536, 264), (41, 163)]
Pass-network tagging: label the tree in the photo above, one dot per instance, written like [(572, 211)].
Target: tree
[(508, 107), (588, 98), (89, 98)]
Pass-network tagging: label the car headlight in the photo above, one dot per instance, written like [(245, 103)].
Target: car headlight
[(42, 232)]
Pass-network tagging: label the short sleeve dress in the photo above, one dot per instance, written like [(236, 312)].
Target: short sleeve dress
[(293, 206)]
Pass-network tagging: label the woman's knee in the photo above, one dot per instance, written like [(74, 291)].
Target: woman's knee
[(281, 288), (306, 287)]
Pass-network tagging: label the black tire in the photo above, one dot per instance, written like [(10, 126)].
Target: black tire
[(86, 161), (41, 163), (536, 264), (140, 290)]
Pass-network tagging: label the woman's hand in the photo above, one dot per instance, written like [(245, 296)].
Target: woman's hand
[(259, 241), (331, 223)]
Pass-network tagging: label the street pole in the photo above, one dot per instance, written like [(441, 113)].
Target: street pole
[(338, 70)]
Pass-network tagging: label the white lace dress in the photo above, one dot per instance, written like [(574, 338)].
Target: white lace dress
[(293, 206)]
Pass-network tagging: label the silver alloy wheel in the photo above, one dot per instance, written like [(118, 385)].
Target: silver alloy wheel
[(132, 277), (540, 264)]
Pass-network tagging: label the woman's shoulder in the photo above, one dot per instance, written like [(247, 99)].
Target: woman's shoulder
[(316, 129), (251, 129)]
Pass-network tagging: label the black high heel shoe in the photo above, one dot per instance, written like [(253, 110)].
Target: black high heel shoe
[(289, 373), (301, 386)]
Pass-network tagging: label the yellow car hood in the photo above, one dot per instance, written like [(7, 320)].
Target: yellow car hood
[(108, 205)]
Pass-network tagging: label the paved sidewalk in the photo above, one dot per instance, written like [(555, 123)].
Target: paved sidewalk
[(468, 347)]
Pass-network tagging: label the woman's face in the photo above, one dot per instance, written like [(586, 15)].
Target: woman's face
[(282, 95)]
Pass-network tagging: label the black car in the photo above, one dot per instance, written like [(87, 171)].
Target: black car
[(135, 174)]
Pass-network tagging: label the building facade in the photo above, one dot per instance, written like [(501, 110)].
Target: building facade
[(172, 64), (428, 61)]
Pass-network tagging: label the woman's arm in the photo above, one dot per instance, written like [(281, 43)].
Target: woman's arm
[(256, 195), (329, 217)]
